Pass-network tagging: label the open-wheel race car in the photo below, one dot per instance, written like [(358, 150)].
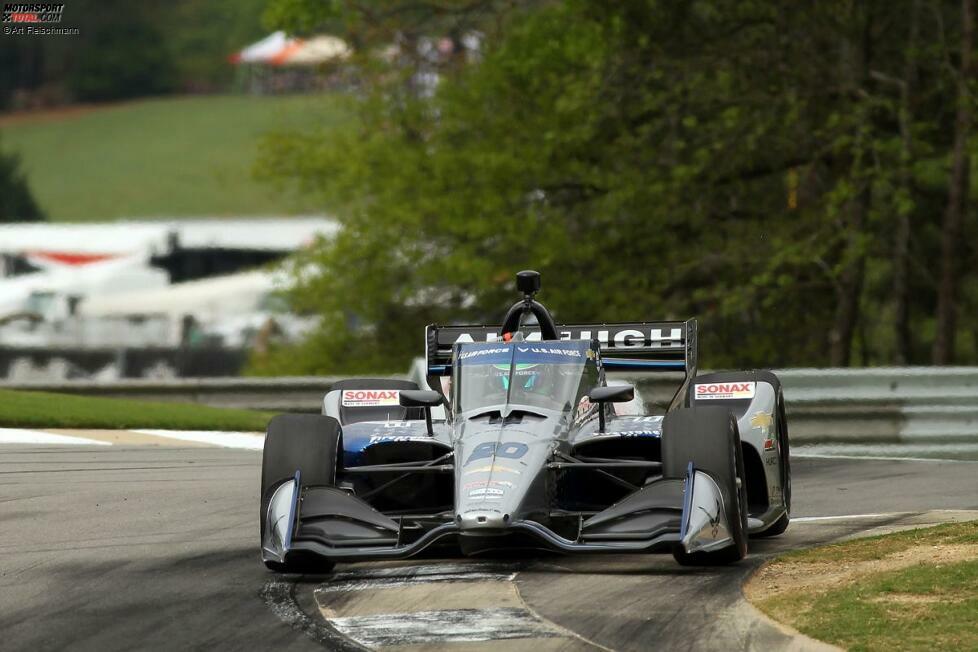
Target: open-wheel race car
[(531, 452)]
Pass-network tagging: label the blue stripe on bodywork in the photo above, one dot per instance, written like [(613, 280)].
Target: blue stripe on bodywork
[(618, 363), (609, 363), (358, 437)]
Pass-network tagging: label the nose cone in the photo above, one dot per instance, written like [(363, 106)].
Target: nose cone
[(476, 519), (488, 494), (498, 479)]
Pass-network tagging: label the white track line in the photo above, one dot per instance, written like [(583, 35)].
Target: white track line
[(20, 436), (882, 458), (842, 517), (893, 451), (245, 440), (885, 458)]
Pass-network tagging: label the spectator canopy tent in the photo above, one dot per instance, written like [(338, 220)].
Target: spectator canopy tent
[(278, 49)]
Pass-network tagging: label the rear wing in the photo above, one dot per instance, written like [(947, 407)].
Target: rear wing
[(637, 346)]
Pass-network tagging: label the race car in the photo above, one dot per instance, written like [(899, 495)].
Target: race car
[(530, 453)]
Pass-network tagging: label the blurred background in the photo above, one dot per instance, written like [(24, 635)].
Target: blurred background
[(296, 187)]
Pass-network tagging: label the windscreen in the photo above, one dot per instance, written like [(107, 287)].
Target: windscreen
[(550, 375)]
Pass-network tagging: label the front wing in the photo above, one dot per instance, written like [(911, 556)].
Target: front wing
[(338, 526)]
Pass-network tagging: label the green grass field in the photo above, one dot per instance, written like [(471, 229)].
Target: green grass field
[(930, 603), (44, 410), (179, 157)]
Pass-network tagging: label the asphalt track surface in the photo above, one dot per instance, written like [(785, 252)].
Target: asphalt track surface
[(156, 547)]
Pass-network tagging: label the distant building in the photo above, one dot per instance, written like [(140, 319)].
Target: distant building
[(68, 291)]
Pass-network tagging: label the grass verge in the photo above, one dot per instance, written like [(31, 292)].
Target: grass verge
[(912, 590), (169, 157), (44, 410)]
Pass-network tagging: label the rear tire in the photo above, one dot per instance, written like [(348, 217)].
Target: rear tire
[(780, 525), (310, 444), (709, 438), (777, 528)]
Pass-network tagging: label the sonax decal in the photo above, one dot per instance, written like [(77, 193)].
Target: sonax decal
[(370, 397), (721, 391)]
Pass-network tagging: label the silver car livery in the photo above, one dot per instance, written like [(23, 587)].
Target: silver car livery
[(531, 452)]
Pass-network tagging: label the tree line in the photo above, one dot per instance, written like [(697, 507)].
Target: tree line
[(796, 175), (123, 50), (128, 49)]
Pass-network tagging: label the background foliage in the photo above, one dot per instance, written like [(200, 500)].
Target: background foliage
[(16, 201), (781, 171), (129, 49), (798, 176)]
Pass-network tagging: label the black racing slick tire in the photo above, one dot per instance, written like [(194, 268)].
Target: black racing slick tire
[(310, 444), (777, 528), (709, 438), (784, 454)]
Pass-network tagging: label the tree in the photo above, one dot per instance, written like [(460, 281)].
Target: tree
[(638, 155), (957, 198), (904, 202), (123, 54), (16, 201)]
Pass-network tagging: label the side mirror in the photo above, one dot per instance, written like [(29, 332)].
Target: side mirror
[(423, 398), (611, 394), (419, 398)]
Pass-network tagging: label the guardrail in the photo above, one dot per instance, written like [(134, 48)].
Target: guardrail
[(894, 404), (289, 394), (883, 404), (937, 404)]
